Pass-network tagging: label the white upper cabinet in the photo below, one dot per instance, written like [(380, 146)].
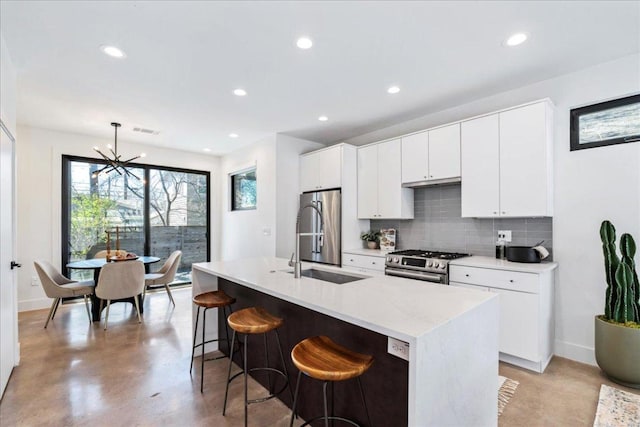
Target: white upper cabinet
[(444, 152), (506, 163), (368, 182), (525, 162), (321, 170), (480, 167), (431, 156), (380, 192), (415, 157)]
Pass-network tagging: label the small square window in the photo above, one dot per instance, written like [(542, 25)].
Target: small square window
[(606, 123), (244, 195)]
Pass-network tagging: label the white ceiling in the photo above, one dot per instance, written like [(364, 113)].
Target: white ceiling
[(185, 58)]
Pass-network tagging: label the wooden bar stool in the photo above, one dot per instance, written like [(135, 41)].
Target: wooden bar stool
[(253, 321), (207, 300), (324, 360)]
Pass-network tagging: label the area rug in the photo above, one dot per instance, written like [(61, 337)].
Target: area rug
[(617, 408), (507, 388)]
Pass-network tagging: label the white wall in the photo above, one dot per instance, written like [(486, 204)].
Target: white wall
[(250, 232), (268, 230), (288, 189), (7, 89), (39, 196), (590, 185)]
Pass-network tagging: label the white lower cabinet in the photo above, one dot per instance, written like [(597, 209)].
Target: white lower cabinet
[(363, 263), (526, 311)]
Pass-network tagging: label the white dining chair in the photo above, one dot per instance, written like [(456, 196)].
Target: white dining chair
[(119, 280), (165, 275), (57, 286)]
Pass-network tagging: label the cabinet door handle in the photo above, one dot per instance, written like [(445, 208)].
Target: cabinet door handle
[(503, 212), (495, 213), (511, 280), (351, 260), (430, 176), (466, 275), (425, 176), (373, 262)]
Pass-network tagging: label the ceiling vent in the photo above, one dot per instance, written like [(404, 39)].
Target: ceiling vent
[(147, 131)]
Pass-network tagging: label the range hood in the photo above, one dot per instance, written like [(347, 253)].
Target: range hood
[(430, 182)]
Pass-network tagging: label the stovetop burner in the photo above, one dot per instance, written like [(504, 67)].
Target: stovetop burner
[(429, 254)]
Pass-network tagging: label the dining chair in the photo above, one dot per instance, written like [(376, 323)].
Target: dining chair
[(165, 275), (119, 280), (57, 286), (101, 254)]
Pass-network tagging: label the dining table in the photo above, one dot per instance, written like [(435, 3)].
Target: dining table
[(96, 264)]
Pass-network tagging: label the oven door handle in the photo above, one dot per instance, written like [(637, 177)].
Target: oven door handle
[(421, 276)]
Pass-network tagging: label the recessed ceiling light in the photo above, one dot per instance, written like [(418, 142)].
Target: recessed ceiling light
[(323, 118), (516, 39), (393, 89), (304, 43), (113, 51), (240, 92), (206, 149), (233, 135)]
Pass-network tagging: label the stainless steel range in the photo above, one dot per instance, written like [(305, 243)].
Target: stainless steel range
[(431, 266)]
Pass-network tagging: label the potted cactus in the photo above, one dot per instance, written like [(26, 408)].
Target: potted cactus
[(617, 332)]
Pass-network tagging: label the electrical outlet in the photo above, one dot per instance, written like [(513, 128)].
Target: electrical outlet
[(398, 348), (504, 235), (35, 281)]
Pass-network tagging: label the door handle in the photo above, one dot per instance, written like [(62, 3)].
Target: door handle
[(15, 264)]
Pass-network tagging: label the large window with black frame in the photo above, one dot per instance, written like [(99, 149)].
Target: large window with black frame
[(166, 209)]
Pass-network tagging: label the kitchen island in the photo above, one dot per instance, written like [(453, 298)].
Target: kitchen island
[(451, 377)]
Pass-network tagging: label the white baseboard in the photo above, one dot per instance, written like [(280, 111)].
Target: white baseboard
[(34, 304), (576, 352)]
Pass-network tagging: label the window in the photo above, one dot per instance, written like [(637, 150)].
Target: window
[(243, 190), (606, 123), (170, 213)]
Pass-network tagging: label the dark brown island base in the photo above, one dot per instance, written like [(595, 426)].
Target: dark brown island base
[(385, 383)]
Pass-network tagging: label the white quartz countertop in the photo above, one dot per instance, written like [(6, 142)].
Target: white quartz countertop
[(401, 308), (503, 264), (368, 252)]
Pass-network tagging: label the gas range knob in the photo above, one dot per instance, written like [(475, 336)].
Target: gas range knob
[(429, 263), (396, 259), (389, 259), (441, 265)]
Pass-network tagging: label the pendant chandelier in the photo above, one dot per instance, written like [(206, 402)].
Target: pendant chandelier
[(115, 163)]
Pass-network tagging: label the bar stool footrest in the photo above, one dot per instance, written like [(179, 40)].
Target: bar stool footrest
[(271, 395), (321, 417)]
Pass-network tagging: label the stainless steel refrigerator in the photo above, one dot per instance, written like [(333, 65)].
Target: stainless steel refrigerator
[(326, 248)]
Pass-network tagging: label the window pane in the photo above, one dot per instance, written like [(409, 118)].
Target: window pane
[(618, 122), (110, 202), (244, 190), (178, 218)]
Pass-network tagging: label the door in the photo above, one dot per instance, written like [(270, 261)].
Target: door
[(309, 172), (523, 161), (323, 248), (415, 155), (444, 152), (329, 168), (518, 324), (8, 311), (368, 182), (389, 176), (480, 167)]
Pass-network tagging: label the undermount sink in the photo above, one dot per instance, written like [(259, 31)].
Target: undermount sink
[(329, 276)]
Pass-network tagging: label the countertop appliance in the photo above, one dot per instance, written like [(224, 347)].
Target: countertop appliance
[(430, 266), (324, 248)]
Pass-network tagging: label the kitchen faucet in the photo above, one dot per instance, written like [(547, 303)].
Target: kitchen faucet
[(297, 265)]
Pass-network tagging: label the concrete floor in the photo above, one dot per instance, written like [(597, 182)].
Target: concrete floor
[(76, 374)]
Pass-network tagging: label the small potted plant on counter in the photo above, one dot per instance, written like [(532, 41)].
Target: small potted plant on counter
[(371, 237), (617, 332)]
